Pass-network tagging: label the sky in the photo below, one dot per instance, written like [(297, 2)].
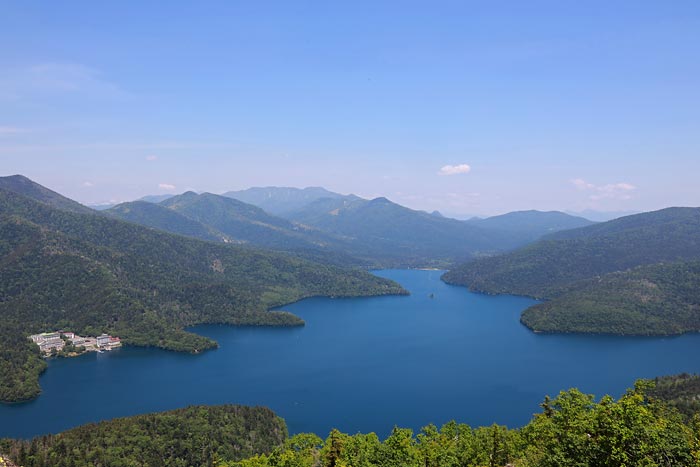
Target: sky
[(467, 107)]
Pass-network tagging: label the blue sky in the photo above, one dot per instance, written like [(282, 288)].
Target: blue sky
[(546, 105)]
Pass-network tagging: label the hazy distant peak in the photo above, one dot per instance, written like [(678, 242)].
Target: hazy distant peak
[(282, 200), (155, 198), (381, 200), (532, 222)]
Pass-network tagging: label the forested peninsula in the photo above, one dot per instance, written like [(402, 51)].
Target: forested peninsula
[(87, 273), (637, 275)]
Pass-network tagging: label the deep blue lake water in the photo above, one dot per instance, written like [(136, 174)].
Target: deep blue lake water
[(360, 365)]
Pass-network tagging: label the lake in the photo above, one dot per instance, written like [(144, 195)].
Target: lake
[(363, 364)]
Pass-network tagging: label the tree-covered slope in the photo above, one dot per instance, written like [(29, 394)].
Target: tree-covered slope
[(657, 299), (22, 185), (91, 273), (246, 223), (681, 392), (163, 218), (543, 268), (194, 436)]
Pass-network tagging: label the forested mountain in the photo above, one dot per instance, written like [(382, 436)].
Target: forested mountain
[(647, 300), (245, 223), (163, 218), (281, 200), (194, 436), (90, 273), (633, 275), (532, 224), (26, 187), (542, 268), (638, 429), (402, 232)]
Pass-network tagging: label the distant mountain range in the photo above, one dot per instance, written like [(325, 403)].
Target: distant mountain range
[(340, 228), (601, 216), (639, 266), (532, 224)]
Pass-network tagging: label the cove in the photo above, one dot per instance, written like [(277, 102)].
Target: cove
[(363, 364)]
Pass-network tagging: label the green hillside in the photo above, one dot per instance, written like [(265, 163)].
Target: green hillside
[(163, 218), (657, 299), (633, 275), (26, 187), (245, 223), (90, 273), (543, 268)]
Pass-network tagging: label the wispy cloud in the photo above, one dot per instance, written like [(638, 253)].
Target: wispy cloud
[(115, 146), (54, 79), (620, 191), (454, 169), (88, 184), (151, 158), (166, 186)]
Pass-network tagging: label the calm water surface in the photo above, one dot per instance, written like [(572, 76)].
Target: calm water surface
[(359, 365)]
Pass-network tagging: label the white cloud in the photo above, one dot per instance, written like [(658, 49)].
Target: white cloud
[(454, 169), (620, 191), (166, 186), (151, 158), (88, 184)]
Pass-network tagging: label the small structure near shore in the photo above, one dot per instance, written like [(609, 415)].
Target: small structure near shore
[(51, 343)]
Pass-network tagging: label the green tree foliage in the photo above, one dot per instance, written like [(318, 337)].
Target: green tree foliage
[(194, 436), (90, 274), (679, 391), (572, 430)]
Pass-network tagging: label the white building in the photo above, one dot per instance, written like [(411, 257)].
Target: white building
[(103, 339)]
